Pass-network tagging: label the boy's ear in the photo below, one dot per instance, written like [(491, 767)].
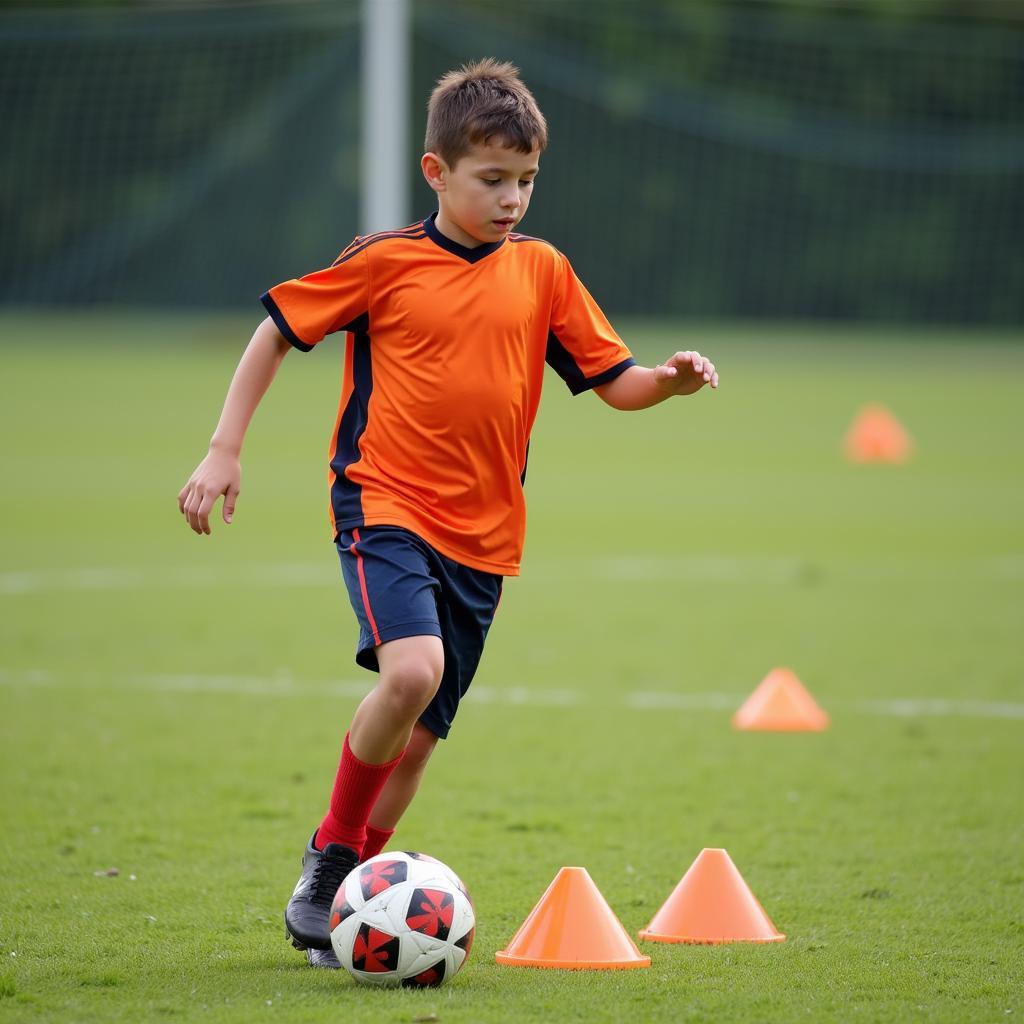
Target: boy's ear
[(435, 170)]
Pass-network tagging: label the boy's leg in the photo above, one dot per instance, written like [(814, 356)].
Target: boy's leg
[(399, 790), (396, 796), (392, 590), (410, 672), (466, 605), (406, 598)]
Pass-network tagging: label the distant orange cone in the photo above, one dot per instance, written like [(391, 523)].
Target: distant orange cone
[(712, 904), (780, 704), (572, 927), (877, 436)]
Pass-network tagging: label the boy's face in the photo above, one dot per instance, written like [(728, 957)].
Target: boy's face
[(485, 195)]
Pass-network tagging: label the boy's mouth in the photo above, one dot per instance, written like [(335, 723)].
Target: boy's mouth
[(506, 222)]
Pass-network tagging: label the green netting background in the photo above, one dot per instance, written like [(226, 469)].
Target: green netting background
[(723, 159)]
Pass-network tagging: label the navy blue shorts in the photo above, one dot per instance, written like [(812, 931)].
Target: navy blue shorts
[(400, 586)]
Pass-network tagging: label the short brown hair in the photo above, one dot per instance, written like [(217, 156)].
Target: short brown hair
[(480, 102)]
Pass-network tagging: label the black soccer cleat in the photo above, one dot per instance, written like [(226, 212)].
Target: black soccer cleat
[(323, 959), (307, 916)]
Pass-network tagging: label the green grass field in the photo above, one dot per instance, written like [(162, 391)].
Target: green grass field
[(171, 706)]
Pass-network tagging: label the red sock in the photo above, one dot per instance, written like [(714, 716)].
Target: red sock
[(376, 840), (356, 788)]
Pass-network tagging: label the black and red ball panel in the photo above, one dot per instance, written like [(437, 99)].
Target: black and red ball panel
[(377, 875), (340, 909), (374, 951), (466, 942), (431, 912), (425, 979)]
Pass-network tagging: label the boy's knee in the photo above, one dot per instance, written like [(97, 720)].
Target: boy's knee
[(412, 685), (411, 672)]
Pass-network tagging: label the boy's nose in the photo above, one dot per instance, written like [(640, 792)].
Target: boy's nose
[(510, 199)]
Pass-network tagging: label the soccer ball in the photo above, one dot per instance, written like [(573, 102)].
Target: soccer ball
[(402, 919)]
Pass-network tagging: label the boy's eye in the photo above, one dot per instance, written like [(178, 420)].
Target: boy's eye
[(497, 181)]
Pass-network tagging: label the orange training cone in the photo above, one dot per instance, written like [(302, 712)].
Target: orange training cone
[(877, 436), (572, 927), (712, 904), (780, 704)]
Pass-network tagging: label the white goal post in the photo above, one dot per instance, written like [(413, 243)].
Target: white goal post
[(386, 58)]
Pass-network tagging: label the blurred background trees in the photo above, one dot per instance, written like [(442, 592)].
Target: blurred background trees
[(708, 159)]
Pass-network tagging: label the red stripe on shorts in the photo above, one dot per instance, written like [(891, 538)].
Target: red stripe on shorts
[(362, 587)]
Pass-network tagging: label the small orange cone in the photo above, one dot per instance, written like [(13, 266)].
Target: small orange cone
[(712, 904), (572, 927), (877, 436), (780, 704)]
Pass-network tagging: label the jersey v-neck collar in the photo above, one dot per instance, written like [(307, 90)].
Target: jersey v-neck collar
[(464, 252)]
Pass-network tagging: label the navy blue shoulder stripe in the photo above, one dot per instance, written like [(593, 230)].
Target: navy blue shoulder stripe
[(359, 244), (415, 226), (372, 240), (362, 239), (515, 238)]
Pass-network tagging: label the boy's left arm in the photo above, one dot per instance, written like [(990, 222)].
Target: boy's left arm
[(640, 387)]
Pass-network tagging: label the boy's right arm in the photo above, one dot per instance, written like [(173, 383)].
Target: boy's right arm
[(220, 473)]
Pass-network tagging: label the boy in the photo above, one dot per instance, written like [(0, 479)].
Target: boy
[(449, 323)]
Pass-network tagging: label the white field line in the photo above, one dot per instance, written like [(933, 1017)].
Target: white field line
[(195, 577), (914, 708), (705, 569), (521, 696)]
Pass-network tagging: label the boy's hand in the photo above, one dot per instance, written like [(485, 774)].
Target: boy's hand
[(684, 373), (219, 473)]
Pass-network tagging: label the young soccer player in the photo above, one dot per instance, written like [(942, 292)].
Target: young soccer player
[(449, 324)]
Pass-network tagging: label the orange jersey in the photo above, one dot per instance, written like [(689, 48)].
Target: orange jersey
[(443, 371)]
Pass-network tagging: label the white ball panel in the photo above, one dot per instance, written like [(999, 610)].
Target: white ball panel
[(417, 956), (343, 937)]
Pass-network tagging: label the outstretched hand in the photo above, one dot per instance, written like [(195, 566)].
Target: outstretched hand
[(684, 373), (218, 474)]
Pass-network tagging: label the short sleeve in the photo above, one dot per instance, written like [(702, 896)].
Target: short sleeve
[(307, 309), (583, 348)]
